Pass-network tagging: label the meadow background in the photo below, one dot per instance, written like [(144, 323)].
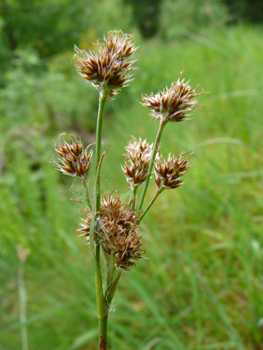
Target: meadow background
[(202, 287)]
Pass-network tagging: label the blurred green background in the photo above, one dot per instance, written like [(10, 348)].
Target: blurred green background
[(202, 287)]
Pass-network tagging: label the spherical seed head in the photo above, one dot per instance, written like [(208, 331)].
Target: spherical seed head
[(138, 158), (74, 159), (174, 104), (168, 173), (110, 67), (118, 231)]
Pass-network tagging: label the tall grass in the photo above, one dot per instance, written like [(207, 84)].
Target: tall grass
[(202, 288)]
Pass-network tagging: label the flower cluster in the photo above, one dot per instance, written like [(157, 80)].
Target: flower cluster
[(117, 230), (75, 160), (138, 158), (174, 104), (168, 173), (110, 67)]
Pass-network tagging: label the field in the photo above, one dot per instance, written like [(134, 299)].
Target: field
[(202, 285)]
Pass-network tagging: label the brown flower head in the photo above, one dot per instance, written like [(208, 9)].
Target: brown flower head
[(74, 159), (168, 173), (118, 231), (138, 158), (174, 104), (109, 67)]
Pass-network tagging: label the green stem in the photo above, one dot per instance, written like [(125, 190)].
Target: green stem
[(22, 306), (86, 192), (134, 197), (94, 243), (103, 324), (155, 148), (102, 101), (151, 203)]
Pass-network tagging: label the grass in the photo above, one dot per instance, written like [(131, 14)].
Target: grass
[(202, 286)]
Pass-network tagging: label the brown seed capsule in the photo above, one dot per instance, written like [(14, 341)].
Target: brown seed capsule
[(109, 67), (74, 159), (174, 104), (117, 231), (138, 158), (168, 173)]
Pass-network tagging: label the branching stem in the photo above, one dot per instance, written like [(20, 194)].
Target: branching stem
[(159, 191), (155, 148)]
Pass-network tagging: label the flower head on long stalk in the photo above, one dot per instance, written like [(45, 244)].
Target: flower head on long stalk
[(74, 159), (138, 158), (168, 173), (174, 104), (118, 231), (110, 67)]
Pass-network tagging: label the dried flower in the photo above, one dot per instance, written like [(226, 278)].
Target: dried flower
[(75, 160), (138, 158), (117, 230), (109, 68), (174, 104), (168, 173)]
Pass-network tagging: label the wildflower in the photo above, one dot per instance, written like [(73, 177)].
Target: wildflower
[(174, 104), (117, 230), (168, 173), (110, 67), (75, 160), (138, 158)]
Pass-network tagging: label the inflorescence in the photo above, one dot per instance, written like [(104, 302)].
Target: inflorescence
[(110, 67), (117, 231)]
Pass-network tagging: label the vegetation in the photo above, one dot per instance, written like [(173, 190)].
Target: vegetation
[(202, 288)]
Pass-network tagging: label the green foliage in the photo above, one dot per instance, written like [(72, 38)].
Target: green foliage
[(48, 27), (36, 97), (202, 287), (178, 17), (245, 10), (146, 16)]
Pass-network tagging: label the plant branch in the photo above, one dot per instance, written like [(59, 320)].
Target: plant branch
[(84, 183), (134, 198), (156, 145), (159, 191)]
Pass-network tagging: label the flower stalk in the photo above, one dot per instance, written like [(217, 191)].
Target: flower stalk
[(87, 196), (158, 192), (155, 149), (102, 101)]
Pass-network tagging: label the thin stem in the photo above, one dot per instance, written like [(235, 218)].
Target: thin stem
[(134, 197), (159, 191), (95, 251), (155, 148), (94, 243), (103, 324), (86, 192), (102, 101), (22, 306)]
